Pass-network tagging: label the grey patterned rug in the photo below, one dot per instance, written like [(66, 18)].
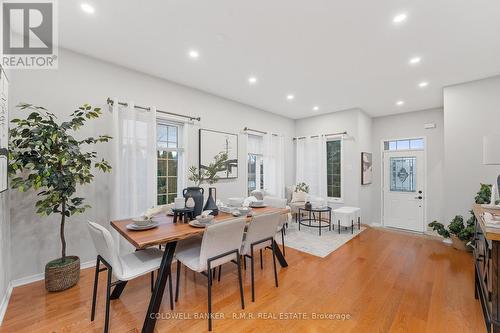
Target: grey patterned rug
[(309, 241)]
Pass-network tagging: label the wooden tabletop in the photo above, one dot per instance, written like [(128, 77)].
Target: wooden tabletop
[(489, 232), (168, 231)]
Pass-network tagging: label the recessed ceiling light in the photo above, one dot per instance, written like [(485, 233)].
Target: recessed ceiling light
[(193, 54), (87, 8), (290, 97), (400, 103), (399, 18), (423, 84), (415, 60), (315, 108), (252, 80)]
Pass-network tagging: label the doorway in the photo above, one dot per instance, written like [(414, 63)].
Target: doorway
[(404, 180)]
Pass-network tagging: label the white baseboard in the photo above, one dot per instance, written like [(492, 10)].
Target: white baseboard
[(41, 276), (376, 225), (27, 280), (5, 302)]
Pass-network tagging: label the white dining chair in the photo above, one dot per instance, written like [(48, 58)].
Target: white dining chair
[(123, 267), (259, 235), (285, 218), (220, 244)]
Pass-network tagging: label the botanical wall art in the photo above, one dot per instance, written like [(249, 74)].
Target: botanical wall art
[(366, 168), (213, 143)]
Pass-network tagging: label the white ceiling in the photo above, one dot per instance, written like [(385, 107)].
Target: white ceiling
[(331, 53)]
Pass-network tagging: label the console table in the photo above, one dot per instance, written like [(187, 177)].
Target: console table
[(486, 264)]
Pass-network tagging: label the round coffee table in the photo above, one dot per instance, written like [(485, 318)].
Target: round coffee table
[(311, 217)]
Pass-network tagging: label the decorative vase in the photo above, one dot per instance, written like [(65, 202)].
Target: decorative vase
[(308, 205), (210, 204), (196, 193), (59, 277)]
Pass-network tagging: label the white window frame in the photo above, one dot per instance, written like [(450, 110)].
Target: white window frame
[(180, 154), (258, 161), (340, 199)]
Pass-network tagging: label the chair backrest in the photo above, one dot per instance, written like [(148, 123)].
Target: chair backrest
[(220, 238), (275, 202), (261, 227), (105, 246)]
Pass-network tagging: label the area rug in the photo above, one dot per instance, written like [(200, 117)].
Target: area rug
[(309, 241)]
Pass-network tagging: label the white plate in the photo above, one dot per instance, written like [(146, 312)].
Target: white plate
[(133, 226), (196, 224), (258, 206)]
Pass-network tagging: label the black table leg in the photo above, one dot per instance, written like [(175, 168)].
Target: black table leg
[(281, 258), (319, 221), (117, 291), (156, 297)]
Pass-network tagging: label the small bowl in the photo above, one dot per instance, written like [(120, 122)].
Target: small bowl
[(204, 219), (141, 221), (244, 210)]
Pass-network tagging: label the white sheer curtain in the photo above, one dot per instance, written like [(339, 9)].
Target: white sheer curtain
[(311, 164), (273, 151), (134, 161)]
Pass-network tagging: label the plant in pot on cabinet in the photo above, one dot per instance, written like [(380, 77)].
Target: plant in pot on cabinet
[(46, 157), (461, 234), (207, 175)]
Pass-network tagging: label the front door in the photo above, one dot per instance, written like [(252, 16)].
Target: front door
[(404, 193)]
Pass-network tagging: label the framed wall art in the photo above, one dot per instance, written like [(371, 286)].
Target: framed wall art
[(366, 168), (214, 142)]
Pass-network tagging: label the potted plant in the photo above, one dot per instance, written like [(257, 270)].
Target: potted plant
[(302, 187), (207, 175), (45, 157), (461, 234), (484, 194)]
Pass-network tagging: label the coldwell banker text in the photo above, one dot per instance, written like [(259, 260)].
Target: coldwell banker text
[(29, 35)]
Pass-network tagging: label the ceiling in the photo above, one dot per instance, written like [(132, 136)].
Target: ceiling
[(328, 53)]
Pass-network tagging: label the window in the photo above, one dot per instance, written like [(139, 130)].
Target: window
[(403, 174), (167, 138), (406, 144), (255, 163), (334, 169), (255, 172)]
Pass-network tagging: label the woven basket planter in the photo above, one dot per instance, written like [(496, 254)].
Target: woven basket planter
[(58, 278)]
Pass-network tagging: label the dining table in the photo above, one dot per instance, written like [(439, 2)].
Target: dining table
[(168, 233)]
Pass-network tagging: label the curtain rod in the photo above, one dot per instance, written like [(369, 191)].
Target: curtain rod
[(315, 136), (246, 129), (111, 102)]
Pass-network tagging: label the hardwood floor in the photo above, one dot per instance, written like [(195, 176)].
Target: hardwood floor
[(384, 281)]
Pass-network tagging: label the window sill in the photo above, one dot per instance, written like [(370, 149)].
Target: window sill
[(335, 200)]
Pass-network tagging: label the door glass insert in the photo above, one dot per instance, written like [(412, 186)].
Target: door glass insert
[(403, 174)]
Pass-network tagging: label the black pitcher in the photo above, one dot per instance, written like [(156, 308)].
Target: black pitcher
[(197, 194), (210, 204)]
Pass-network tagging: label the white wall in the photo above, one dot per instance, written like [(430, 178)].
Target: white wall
[(471, 110), (358, 127), (81, 79), (4, 248), (408, 125)]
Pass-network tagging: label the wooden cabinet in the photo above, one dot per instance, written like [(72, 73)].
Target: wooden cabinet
[(486, 262)]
